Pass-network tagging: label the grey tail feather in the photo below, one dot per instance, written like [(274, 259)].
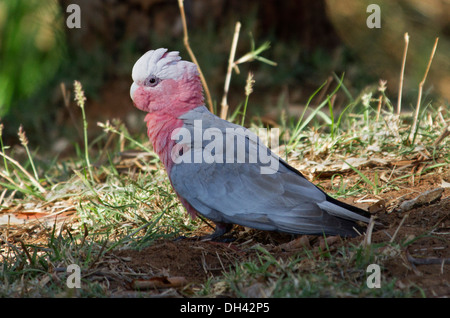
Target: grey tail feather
[(331, 199), (348, 206)]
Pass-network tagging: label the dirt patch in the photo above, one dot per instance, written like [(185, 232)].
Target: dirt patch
[(422, 260), (420, 250), (424, 256), (194, 260)]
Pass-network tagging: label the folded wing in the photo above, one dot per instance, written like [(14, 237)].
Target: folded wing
[(238, 192)]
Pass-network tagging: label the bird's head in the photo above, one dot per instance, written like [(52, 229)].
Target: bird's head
[(162, 81)]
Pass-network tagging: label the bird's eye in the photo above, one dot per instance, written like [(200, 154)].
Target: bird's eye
[(151, 81)]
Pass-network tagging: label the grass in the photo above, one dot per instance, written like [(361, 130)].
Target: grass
[(80, 99), (130, 204), (126, 202), (324, 274)]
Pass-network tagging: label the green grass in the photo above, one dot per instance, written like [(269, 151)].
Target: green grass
[(122, 204), (128, 203), (319, 273), (325, 274)]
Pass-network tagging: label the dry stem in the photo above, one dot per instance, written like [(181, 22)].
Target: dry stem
[(224, 104), (33, 180), (444, 134), (414, 126), (380, 100), (191, 54), (398, 228), (400, 89), (368, 237)]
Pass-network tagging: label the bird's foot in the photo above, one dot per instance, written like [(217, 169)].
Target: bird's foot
[(216, 236)]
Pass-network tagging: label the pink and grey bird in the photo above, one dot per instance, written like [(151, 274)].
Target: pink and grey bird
[(227, 191)]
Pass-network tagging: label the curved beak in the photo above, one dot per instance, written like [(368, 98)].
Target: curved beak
[(133, 88)]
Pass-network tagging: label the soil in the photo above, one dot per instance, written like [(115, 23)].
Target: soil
[(418, 259), (424, 263)]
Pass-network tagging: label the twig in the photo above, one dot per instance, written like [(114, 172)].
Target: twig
[(416, 116), (86, 233), (400, 89), (26, 251), (220, 261), (444, 134), (428, 260), (32, 179), (224, 104), (398, 228), (368, 237), (159, 282), (425, 261), (191, 54)]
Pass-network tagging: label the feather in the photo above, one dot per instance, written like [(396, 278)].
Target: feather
[(237, 192), (222, 170)]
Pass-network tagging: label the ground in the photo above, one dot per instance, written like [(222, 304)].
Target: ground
[(420, 263), (411, 245)]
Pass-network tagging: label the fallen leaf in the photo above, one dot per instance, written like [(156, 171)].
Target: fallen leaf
[(299, 243), (324, 244), (159, 282)]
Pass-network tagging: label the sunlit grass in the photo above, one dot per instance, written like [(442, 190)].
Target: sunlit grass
[(128, 202), (324, 273)]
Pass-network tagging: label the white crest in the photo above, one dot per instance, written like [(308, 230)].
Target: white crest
[(162, 65)]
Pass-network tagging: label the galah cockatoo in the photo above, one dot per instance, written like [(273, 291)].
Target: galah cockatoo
[(211, 177)]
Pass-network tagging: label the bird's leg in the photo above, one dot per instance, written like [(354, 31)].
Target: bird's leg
[(221, 229), (216, 236)]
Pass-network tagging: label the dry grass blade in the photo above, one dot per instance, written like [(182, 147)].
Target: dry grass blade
[(191, 54), (32, 179), (419, 98), (400, 88), (24, 248), (10, 181), (368, 237), (224, 104), (445, 134), (428, 260), (398, 228), (380, 101)]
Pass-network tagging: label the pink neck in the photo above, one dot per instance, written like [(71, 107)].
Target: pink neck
[(159, 130), (162, 118)]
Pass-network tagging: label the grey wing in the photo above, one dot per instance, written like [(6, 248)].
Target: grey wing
[(239, 193)]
